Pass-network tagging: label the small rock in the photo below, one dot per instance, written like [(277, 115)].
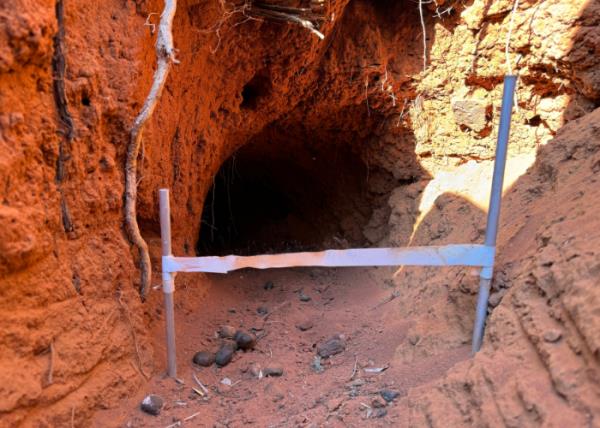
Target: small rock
[(272, 371), (204, 359), (225, 353), (255, 370), (152, 404), (306, 325), (357, 383), (377, 403), (470, 113), (231, 310), (304, 297), (244, 340), (552, 335), (496, 298), (262, 310), (226, 381), (226, 332), (278, 397), (388, 395), (268, 285), (414, 339), (316, 364), (333, 346)]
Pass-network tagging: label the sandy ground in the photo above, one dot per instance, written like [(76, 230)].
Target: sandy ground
[(353, 302)]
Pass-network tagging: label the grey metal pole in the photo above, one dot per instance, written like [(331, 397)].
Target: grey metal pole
[(168, 281), (493, 217)]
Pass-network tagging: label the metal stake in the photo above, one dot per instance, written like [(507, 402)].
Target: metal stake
[(168, 281), (493, 217)]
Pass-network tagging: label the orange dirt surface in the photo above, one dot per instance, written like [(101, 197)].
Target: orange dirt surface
[(343, 301), (323, 144)]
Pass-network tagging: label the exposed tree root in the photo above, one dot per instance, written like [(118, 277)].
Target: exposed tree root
[(66, 126), (165, 53)]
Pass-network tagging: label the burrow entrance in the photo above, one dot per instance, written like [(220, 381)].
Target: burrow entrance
[(279, 194)]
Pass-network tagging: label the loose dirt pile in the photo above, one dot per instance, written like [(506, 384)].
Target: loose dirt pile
[(75, 337)]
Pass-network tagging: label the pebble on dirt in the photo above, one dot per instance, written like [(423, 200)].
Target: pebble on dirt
[(388, 395), (333, 346), (262, 310), (152, 404), (268, 285), (306, 325), (304, 297), (552, 336), (272, 371), (225, 353), (255, 370), (245, 341), (204, 359)]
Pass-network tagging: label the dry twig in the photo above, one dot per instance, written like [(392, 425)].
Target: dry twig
[(165, 53), (355, 367), (134, 336), (204, 389)]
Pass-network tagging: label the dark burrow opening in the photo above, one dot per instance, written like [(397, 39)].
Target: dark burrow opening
[(280, 195)]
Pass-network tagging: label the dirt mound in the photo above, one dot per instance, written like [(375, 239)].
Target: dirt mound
[(540, 361)]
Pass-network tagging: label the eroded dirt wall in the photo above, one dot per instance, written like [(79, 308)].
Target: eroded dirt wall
[(72, 330)]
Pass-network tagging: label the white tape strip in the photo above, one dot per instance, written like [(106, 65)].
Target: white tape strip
[(445, 255)]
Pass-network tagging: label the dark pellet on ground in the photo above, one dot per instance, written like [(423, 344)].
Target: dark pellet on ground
[(268, 285), (204, 359), (272, 371), (244, 340), (225, 354), (262, 310), (388, 395), (152, 404)]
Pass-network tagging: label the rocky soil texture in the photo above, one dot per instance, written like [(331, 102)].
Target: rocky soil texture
[(271, 140)]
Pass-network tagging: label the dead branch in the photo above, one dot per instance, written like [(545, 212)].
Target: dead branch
[(300, 16), (165, 53), (310, 18), (355, 367)]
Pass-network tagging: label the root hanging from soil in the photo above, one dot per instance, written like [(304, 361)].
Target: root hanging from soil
[(66, 126), (165, 53)]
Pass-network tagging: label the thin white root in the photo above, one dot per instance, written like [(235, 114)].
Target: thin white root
[(424, 35), (508, 36), (165, 53), (140, 366)]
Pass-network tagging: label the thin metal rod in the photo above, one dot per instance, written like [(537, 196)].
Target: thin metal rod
[(168, 281), (493, 217), (170, 326)]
